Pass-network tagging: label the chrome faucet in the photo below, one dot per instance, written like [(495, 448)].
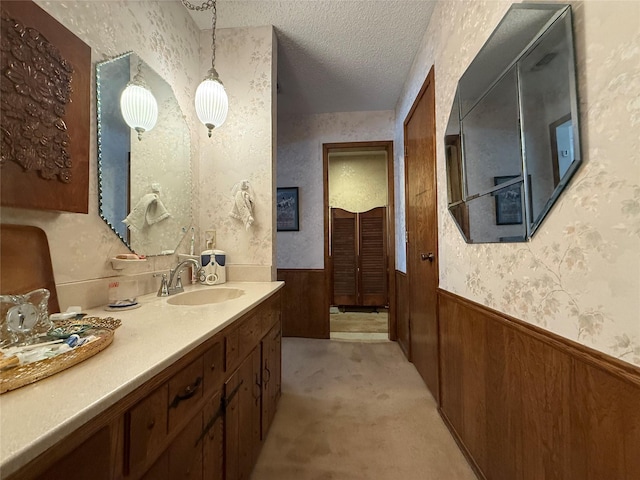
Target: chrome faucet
[(174, 284)]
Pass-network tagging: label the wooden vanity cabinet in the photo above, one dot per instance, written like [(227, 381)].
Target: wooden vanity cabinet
[(204, 417)]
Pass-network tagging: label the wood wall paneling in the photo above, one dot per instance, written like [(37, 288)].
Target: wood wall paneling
[(526, 404), (305, 310)]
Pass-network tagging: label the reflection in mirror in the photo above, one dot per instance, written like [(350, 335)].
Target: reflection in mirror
[(142, 181), (514, 116), (453, 150), (492, 137), (547, 81)]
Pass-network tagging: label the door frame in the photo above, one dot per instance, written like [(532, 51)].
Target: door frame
[(386, 145)]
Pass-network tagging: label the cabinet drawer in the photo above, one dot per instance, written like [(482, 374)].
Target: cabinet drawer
[(214, 367), (147, 428), (185, 389), (232, 349), (249, 334), (270, 314)]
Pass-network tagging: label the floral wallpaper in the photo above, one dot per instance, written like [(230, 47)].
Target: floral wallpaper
[(167, 39), (242, 148), (300, 140), (358, 183), (579, 277)]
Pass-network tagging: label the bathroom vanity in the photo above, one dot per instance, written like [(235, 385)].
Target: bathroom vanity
[(183, 391)]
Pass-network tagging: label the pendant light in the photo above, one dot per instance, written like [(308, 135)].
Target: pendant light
[(138, 105), (211, 100)]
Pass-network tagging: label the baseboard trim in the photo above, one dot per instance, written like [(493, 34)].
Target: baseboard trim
[(463, 448)]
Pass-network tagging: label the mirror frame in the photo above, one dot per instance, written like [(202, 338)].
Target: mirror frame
[(559, 15)]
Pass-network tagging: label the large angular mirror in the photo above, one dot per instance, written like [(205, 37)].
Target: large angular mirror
[(132, 171), (514, 117)]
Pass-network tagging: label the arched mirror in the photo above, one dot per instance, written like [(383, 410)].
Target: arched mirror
[(146, 181), (514, 117)]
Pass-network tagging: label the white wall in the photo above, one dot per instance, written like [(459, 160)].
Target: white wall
[(300, 141), (580, 275)]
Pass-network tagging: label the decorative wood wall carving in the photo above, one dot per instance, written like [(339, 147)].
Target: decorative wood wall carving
[(36, 88), (45, 122)]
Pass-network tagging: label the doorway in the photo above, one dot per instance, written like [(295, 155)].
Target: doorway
[(359, 240)]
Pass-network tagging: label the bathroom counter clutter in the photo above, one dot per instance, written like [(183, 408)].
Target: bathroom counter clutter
[(150, 339)]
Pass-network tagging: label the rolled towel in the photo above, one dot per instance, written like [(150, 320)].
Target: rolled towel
[(149, 209)]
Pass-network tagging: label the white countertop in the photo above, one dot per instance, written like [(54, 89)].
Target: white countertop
[(152, 337)]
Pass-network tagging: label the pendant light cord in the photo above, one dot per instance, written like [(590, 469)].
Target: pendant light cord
[(208, 5)]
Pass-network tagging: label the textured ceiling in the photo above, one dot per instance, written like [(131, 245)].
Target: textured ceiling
[(335, 56)]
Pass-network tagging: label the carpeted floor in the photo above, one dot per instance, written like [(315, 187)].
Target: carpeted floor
[(356, 411), (359, 322)]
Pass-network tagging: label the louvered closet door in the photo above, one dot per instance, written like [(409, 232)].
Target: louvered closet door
[(373, 257), (344, 257)]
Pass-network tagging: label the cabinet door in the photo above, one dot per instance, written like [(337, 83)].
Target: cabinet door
[(185, 452), (243, 419), (213, 439), (250, 413), (271, 375), (147, 429), (232, 426)]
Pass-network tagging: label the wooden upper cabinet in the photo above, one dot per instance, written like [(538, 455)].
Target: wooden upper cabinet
[(359, 257)]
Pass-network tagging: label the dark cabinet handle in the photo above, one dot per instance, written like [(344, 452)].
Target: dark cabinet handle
[(211, 422), (233, 393), (257, 396), (266, 369), (189, 392)]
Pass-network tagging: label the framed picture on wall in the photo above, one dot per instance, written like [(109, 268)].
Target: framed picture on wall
[(287, 211), (508, 202)]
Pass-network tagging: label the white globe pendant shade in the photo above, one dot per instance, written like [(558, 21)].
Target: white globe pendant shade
[(212, 103), (139, 108)]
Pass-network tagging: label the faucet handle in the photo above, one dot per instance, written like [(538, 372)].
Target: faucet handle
[(178, 285), (164, 285)]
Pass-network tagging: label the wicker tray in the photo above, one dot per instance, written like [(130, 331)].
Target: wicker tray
[(102, 328)]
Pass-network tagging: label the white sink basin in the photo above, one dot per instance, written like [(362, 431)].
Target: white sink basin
[(206, 296)]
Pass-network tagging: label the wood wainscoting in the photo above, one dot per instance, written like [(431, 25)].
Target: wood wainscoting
[(526, 404), (402, 313), (305, 307)]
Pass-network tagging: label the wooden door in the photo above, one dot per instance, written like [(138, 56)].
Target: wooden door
[(372, 257), (344, 257), (422, 229)]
